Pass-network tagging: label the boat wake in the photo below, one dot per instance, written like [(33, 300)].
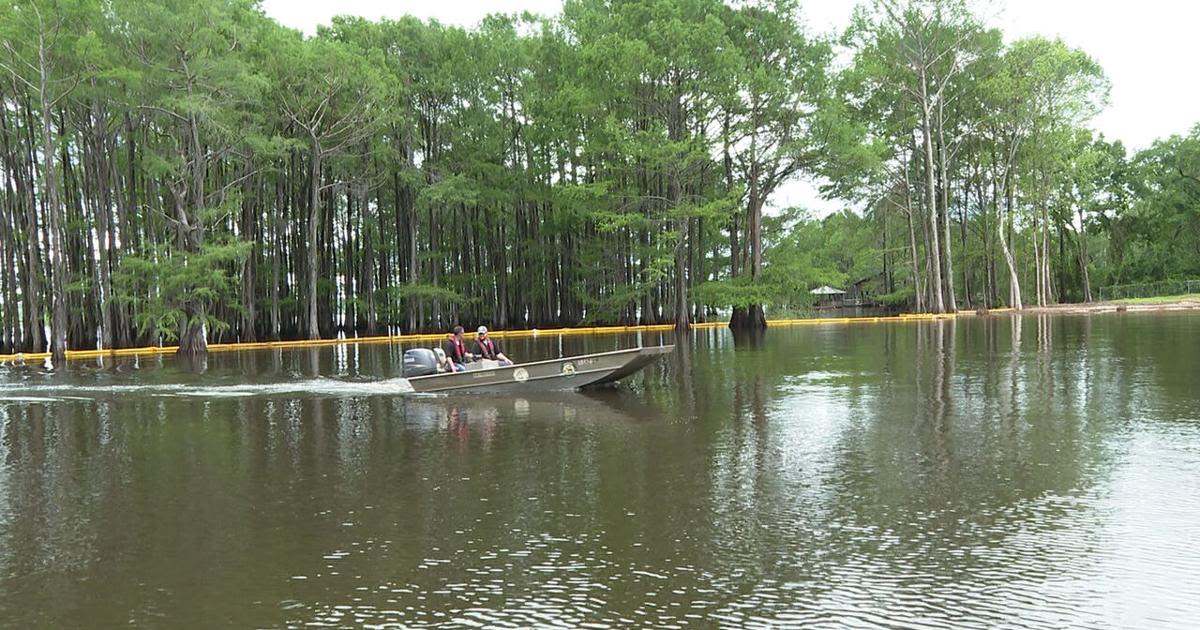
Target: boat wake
[(323, 387)]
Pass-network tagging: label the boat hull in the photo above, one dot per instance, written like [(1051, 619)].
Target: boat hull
[(589, 370)]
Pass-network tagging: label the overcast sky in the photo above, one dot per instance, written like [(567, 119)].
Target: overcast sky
[(1149, 48)]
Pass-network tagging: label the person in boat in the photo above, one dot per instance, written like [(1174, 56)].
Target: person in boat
[(486, 348), (456, 350), (444, 364)]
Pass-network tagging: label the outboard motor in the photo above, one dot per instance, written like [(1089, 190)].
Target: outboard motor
[(419, 362)]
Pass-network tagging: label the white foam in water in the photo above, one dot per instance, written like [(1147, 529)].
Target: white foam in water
[(317, 386), (29, 399)]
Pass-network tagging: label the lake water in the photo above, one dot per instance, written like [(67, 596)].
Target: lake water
[(1038, 471)]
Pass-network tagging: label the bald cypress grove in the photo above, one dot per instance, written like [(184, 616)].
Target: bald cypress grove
[(192, 172)]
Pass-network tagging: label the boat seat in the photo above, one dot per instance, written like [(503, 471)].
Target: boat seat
[(482, 364)]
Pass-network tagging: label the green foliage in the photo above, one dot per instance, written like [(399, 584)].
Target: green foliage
[(427, 292), (1160, 233), (901, 297), (802, 253), (742, 293), (167, 286)]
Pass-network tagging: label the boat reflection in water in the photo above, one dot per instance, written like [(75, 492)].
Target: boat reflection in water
[(462, 411)]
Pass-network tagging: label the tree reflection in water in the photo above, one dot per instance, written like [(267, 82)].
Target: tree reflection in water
[(936, 473)]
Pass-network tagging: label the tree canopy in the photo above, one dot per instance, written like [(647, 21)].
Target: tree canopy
[(188, 171)]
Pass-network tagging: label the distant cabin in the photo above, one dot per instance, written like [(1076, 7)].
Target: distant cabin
[(829, 297), (858, 294)]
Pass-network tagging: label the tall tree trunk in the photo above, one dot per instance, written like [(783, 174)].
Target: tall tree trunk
[(735, 251), (681, 292), (1062, 259), (696, 266), (994, 215), (57, 253), (107, 180), (1047, 278), (314, 225), (918, 293), (250, 232), (1083, 256), (10, 336), (752, 317), (962, 225), (193, 336), (944, 212), (675, 133), (369, 261), (1036, 237), (1014, 287), (277, 252), (937, 304)]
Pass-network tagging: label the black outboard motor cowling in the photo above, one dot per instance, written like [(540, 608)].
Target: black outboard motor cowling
[(419, 362)]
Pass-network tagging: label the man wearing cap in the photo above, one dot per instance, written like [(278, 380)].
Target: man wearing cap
[(486, 348)]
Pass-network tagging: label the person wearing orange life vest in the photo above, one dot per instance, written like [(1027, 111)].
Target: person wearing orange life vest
[(486, 348), (455, 348)]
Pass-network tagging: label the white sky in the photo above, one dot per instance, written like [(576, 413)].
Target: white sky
[(1149, 49)]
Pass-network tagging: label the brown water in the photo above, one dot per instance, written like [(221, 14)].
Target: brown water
[(997, 472)]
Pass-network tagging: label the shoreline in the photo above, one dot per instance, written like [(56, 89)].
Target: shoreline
[(1183, 304)]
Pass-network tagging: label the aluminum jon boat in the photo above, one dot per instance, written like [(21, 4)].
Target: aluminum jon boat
[(589, 370)]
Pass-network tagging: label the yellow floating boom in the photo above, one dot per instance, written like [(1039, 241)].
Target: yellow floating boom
[(511, 334)]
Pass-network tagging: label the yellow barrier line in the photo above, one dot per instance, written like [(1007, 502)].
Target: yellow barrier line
[(423, 337)]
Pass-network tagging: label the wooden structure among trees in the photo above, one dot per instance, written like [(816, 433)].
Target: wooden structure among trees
[(828, 297)]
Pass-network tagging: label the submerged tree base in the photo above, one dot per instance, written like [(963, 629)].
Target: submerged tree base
[(193, 340), (752, 318)]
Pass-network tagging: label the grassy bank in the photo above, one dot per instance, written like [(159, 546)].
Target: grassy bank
[(1161, 299)]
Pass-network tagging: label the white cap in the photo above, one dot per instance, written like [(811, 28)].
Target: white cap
[(482, 330)]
